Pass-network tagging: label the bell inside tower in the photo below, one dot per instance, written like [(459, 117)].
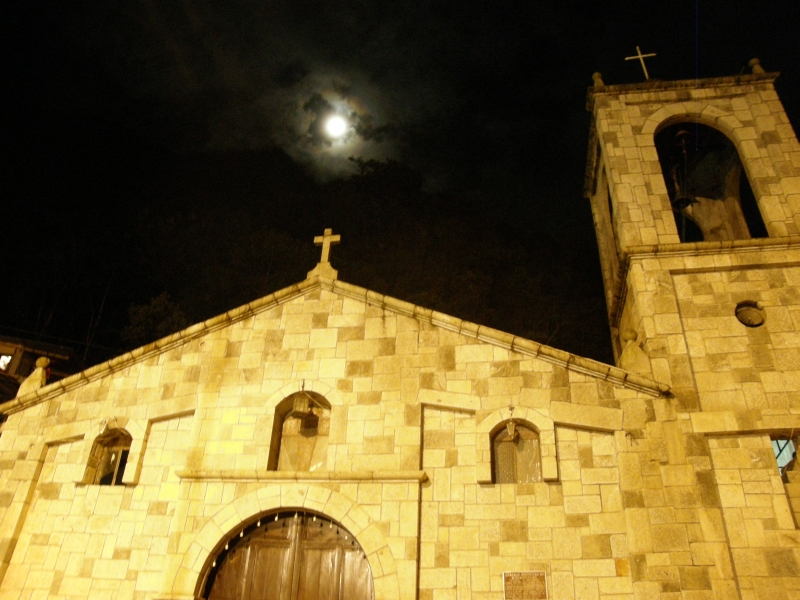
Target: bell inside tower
[(710, 195)]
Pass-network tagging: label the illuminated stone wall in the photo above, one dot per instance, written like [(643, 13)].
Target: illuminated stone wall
[(414, 395), (707, 512)]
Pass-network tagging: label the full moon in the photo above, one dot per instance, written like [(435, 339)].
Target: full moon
[(336, 126)]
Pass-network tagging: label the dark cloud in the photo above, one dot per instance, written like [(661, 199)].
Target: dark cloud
[(320, 110), (131, 105), (486, 98)]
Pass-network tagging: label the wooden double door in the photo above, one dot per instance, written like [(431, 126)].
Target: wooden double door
[(294, 557)]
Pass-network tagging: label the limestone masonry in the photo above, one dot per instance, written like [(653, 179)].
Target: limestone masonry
[(458, 461)]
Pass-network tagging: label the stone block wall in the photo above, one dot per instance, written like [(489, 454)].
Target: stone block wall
[(705, 465), (762, 534), (608, 244), (644, 495), (574, 530), (684, 310), (412, 407), (792, 485), (95, 541)]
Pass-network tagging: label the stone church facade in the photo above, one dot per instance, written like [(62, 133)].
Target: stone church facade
[(331, 442)]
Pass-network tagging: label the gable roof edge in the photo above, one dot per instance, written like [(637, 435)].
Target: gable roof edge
[(482, 333), (144, 352)]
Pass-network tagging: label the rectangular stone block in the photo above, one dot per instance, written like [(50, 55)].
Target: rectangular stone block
[(582, 504), (599, 475), (593, 417), (669, 538), (595, 568)]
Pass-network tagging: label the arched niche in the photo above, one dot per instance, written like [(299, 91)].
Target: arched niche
[(135, 428), (108, 458), (708, 188), (529, 418), (300, 430), (516, 453), (288, 554)]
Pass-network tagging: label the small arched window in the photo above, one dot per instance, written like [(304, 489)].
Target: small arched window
[(300, 433), (108, 458), (516, 454)]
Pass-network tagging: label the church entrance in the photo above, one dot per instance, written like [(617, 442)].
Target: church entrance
[(291, 556)]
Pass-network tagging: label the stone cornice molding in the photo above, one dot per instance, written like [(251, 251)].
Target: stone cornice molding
[(304, 476), (681, 84), (481, 333), (715, 247), (571, 362), (729, 422), (693, 249)]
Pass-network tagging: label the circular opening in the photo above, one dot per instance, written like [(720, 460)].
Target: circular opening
[(750, 314)]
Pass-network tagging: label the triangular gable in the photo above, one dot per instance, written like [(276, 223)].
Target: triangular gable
[(480, 333)]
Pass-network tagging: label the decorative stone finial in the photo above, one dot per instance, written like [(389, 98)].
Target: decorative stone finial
[(597, 77), (36, 379), (633, 358), (755, 65), (324, 268)]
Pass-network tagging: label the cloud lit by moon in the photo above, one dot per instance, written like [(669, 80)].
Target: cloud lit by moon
[(294, 114)]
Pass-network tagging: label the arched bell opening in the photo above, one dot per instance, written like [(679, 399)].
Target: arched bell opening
[(708, 187), (290, 554), (300, 433), (688, 229)]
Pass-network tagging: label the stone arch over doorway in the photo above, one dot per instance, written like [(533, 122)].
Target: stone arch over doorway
[(191, 565)]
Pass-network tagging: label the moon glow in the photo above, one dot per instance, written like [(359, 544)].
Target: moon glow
[(336, 126)]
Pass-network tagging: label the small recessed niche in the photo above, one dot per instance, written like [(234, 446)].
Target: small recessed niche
[(750, 314)]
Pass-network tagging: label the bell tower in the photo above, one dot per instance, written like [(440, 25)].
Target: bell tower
[(695, 192)]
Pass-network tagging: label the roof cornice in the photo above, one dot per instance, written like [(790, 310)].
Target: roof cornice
[(656, 85), (481, 333)]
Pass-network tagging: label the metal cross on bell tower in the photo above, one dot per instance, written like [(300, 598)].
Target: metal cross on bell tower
[(641, 58)]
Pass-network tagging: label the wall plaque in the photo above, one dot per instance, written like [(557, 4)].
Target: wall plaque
[(529, 585)]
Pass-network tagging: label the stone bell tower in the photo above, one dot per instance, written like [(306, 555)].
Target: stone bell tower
[(695, 191)]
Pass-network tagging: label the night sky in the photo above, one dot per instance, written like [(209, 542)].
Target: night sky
[(173, 156)]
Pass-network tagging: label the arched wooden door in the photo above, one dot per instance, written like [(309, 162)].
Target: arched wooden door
[(291, 556)]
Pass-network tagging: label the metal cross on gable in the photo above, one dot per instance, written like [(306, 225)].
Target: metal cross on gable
[(326, 241), (641, 58)]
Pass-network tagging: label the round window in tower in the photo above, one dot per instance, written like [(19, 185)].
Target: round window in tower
[(750, 314)]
